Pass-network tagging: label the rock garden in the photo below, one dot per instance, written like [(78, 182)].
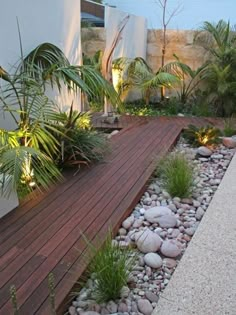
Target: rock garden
[(158, 231)]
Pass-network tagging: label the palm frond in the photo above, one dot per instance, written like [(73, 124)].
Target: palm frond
[(14, 163), (161, 79)]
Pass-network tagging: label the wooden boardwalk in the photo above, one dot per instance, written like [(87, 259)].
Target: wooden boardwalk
[(45, 234)]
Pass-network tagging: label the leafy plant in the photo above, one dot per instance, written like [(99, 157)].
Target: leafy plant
[(189, 79), (27, 152), (205, 136), (143, 110), (177, 175), (51, 287), (138, 74), (219, 41), (79, 144), (14, 300), (111, 266), (200, 105)]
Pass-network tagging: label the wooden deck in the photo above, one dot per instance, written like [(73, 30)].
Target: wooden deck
[(45, 234)]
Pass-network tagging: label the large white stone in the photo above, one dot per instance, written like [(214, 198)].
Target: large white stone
[(167, 221), (152, 215), (145, 307), (171, 248), (153, 260), (204, 151), (147, 241)]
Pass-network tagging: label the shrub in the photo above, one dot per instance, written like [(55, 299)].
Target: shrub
[(206, 136), (140, 109), (177, 175), (79, 144), (111, 266), (229, 127), (84, 146)]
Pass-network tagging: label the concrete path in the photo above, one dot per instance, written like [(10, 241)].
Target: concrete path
[(204, 283)]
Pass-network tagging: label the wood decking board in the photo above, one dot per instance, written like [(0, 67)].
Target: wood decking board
[(44, 235)]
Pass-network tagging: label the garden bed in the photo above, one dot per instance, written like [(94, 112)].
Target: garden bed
[(160, 228)]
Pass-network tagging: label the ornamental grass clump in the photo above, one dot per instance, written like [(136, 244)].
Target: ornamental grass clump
[(177, 175), (229, 127), (111, 267)]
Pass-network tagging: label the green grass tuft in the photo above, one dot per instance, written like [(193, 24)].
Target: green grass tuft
[(177, 175), (111, 267), (229, 127)]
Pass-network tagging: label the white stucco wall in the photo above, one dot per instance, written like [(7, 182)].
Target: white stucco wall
[(54, 21)]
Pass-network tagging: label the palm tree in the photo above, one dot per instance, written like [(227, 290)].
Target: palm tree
[(138, 74), (26, 153), (219, 40), (189, 79)]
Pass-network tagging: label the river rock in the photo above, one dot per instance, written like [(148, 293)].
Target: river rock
[(172, 207), (217, 156), (204, 151), (153, 260), (152, 297), (145, 306), (190, 231), (128, 222), (122, 231), (199, 213), (167, 221), (147, 241), (72, 310), (134, 307), (171, 248), (229, 142), (169, 263), (124, 293), (89, 313), (122, 307), (152, 215), (138, 222), (111, 307)]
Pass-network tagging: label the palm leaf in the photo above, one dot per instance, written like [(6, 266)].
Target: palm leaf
[(13, 162), (160, 79)]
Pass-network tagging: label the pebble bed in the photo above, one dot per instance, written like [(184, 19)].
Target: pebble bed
[(160, 228)]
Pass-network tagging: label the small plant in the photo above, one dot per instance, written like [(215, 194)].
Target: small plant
[(229, 127), (205, 136), (14, 300), (177, 175), (111, 266), (79, 144), (51, 287)]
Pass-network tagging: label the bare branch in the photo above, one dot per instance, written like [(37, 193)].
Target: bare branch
[(163, 4), (175, 12)]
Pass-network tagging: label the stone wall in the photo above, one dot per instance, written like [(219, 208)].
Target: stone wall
[(179, 42)]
